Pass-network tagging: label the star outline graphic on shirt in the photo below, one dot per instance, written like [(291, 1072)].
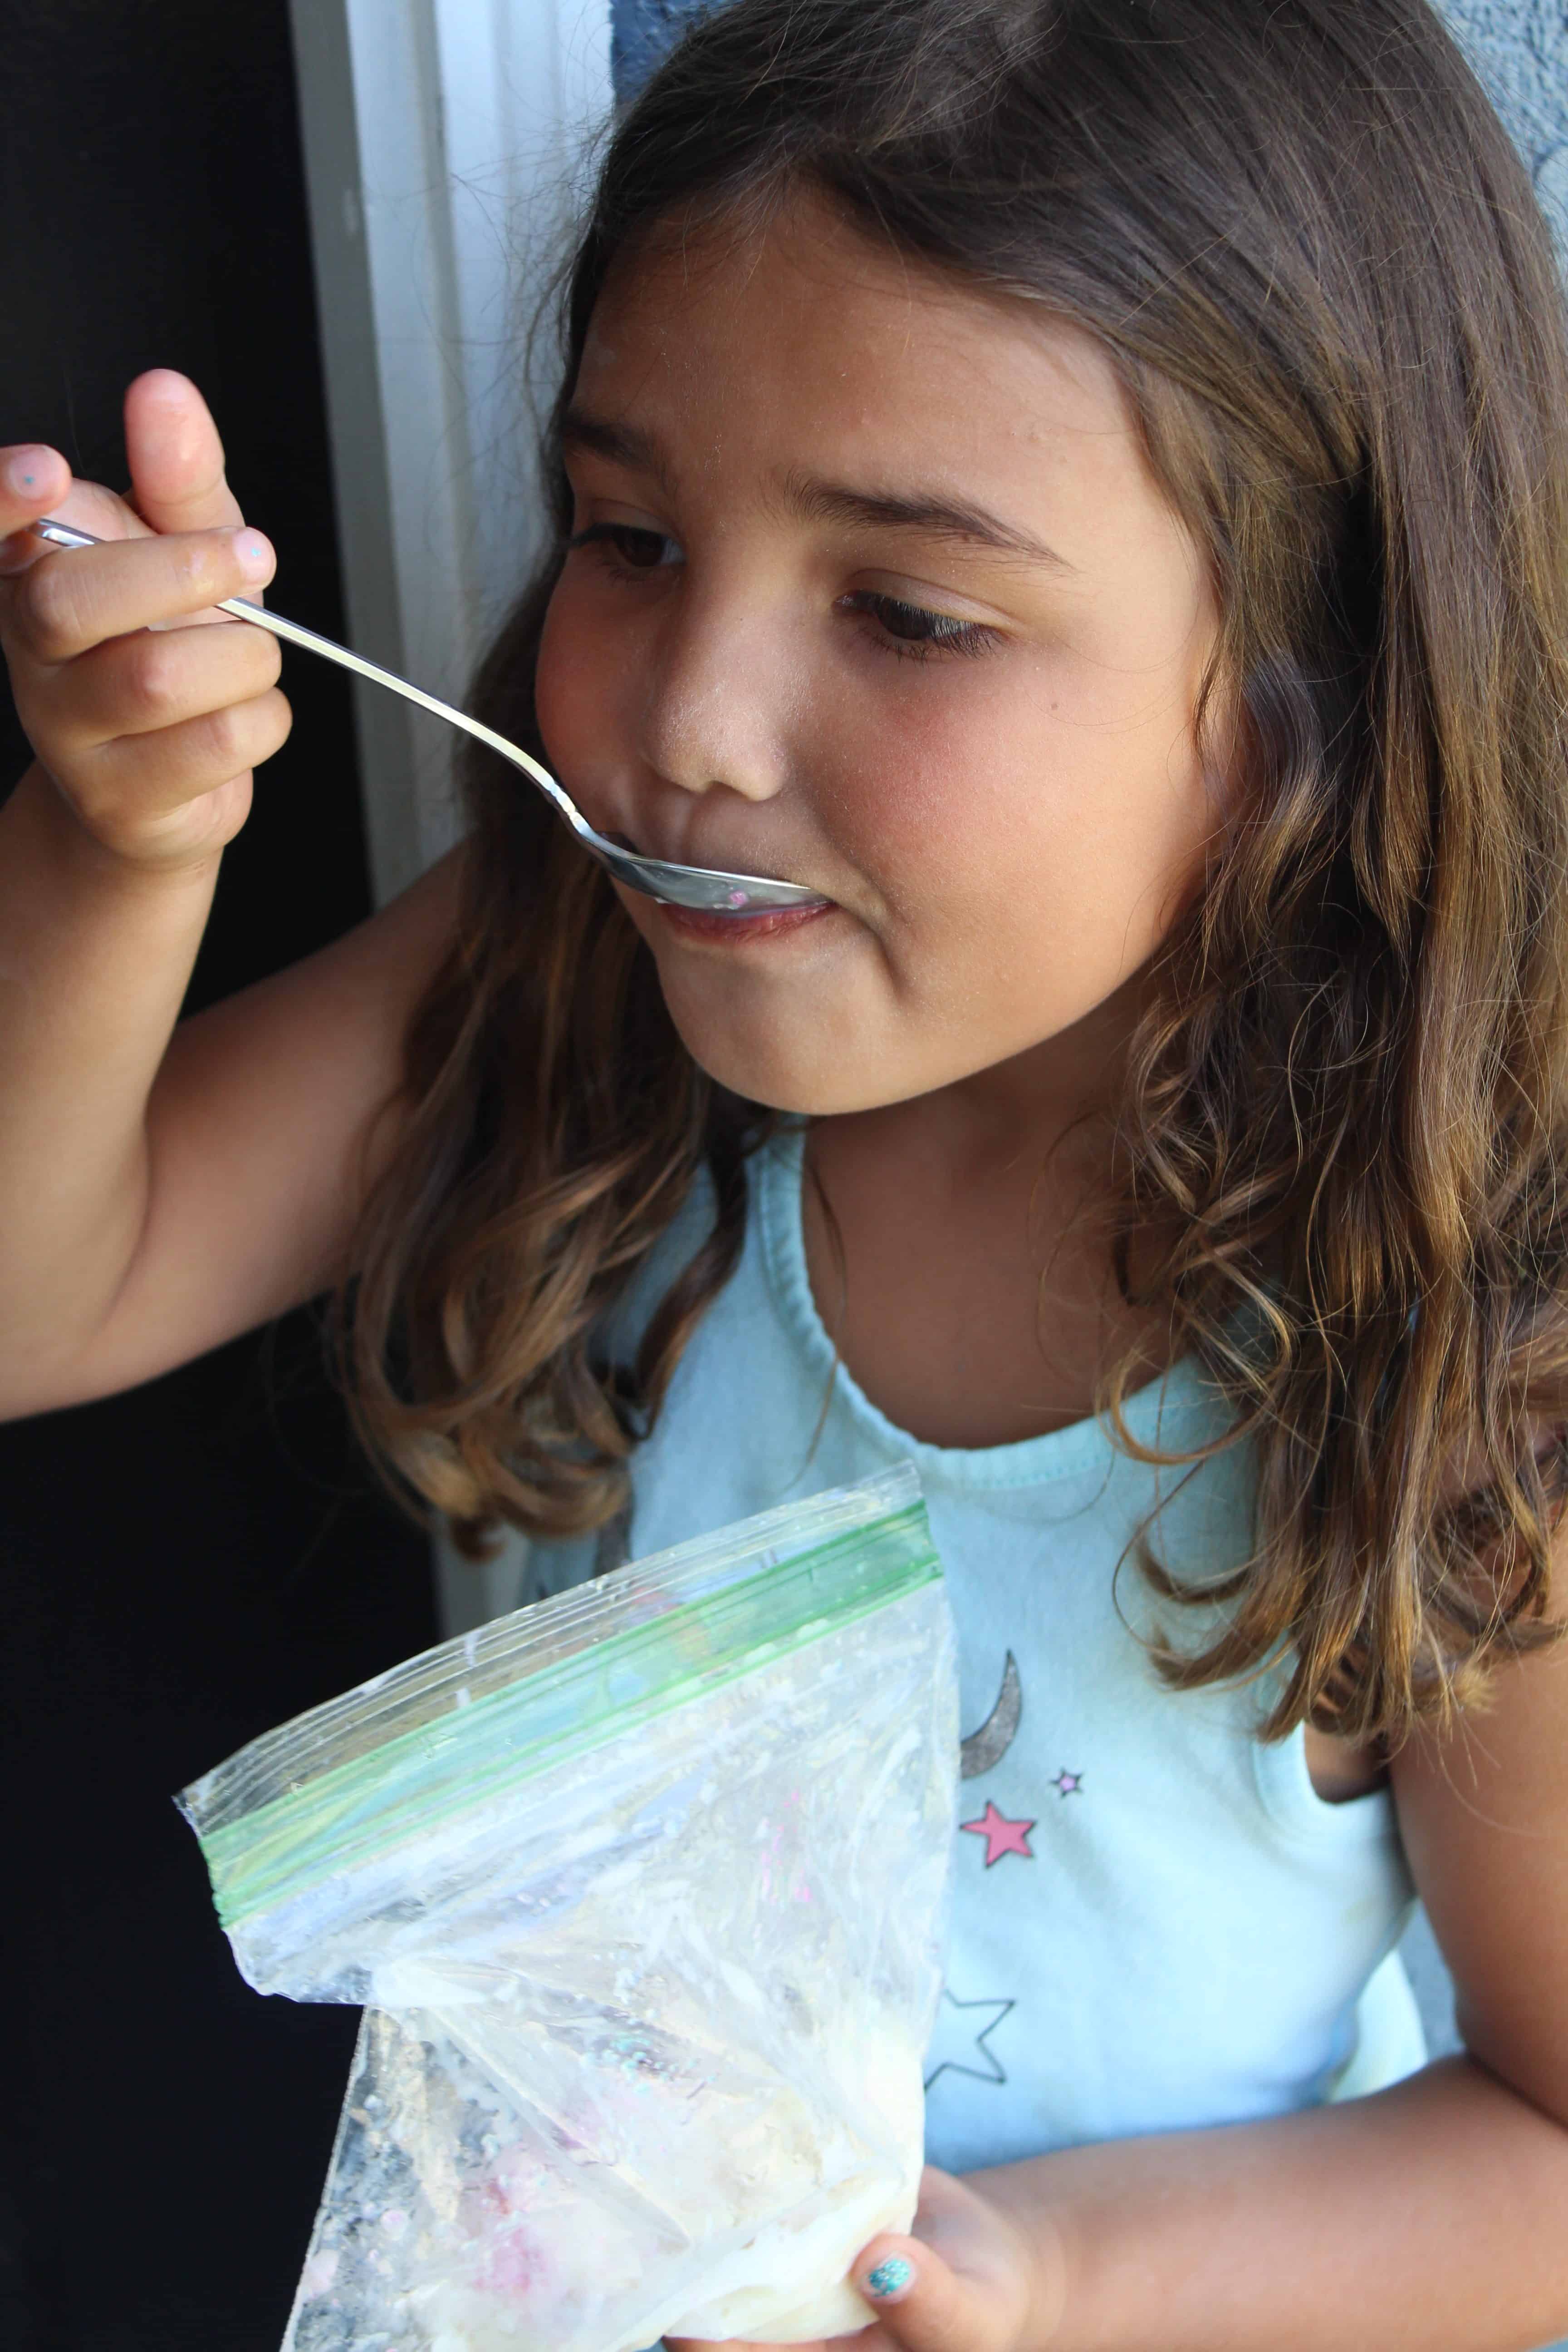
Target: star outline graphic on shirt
[(993, 2071)]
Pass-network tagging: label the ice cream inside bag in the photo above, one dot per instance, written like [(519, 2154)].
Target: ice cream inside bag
[(644, 1889)]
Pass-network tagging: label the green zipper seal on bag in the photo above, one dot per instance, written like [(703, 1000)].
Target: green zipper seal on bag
[(466, 1758)]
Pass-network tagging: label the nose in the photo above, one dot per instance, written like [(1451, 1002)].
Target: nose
[(718, 698)]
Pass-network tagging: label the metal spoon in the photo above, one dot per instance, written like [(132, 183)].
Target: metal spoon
[(703, 887)]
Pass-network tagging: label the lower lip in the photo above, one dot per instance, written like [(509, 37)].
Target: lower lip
[(740, 930)]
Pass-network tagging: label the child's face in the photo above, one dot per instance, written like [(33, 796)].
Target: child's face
[(824, 633)]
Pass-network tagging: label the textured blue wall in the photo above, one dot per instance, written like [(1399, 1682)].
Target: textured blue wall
[(640, 32), (1518, 48)]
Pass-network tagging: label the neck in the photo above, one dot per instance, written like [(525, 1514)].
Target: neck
[(1055, 1104), (958, 1247)]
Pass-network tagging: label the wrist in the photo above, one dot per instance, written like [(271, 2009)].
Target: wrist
[(41, 813)]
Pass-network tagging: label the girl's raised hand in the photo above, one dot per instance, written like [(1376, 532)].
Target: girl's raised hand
[(149, 730), (966, 2280)]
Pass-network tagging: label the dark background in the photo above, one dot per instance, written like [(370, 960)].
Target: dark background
[(185, 1565)]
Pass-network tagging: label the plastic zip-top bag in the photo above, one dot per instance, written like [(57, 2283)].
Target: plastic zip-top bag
[(643, 1886)]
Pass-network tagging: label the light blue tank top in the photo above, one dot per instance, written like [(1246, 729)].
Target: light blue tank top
[(1156, 1921)]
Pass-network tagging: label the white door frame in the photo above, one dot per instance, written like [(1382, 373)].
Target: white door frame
[(447, 147), (444, 149)]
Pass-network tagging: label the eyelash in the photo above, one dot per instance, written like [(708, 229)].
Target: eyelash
[(945, 635)]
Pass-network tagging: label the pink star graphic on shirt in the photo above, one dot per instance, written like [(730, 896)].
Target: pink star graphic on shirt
[(1067, 1784), (1001, 1836)]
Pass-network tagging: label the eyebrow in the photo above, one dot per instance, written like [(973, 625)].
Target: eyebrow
[(813, 499), (934, 518), (623, 445)]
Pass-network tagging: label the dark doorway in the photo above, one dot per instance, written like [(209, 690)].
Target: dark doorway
[(185, 1565)]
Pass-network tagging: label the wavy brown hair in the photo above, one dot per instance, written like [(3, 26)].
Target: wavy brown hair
[(1313, 258)]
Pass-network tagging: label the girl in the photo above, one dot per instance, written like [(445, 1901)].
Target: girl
[(1083, 485)]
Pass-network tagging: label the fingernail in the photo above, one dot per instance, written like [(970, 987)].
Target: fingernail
[(26, 469), (253, 554), (890, 2278)]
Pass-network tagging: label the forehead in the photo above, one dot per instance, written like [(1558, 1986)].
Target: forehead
[(804, 342)]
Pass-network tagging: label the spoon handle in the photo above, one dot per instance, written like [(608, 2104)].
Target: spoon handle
[(65, 534)]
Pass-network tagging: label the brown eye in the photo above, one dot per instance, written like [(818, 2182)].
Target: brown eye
[(908, 621), (640, 550)]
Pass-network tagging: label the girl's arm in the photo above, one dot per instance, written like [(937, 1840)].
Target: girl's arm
[(160, 1192), (1431, 2215), (162, 1188)]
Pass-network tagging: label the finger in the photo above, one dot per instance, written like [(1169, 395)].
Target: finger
[(177, 459), (87, 504), (34, 481), (134, 685), (142, 777), (31, 478), (80, 596)]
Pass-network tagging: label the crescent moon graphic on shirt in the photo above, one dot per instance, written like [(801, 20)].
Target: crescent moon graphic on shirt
[(986, 1747)]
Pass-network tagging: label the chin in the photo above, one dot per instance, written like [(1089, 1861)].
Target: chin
[(795, 1072), (784, 1083), (818, 1039)]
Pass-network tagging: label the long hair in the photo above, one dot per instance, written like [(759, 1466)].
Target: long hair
[(1314, 260)]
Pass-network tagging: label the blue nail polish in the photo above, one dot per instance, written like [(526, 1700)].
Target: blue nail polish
[(890, 2277)]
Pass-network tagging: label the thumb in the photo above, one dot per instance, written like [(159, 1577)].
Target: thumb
[(924, 2305), (177, 480)]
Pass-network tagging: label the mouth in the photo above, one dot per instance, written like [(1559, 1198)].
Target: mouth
[(738, 930)]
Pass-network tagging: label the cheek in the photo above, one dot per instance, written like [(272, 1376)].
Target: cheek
[(911, 784), (1021, 837), (937, 789)]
